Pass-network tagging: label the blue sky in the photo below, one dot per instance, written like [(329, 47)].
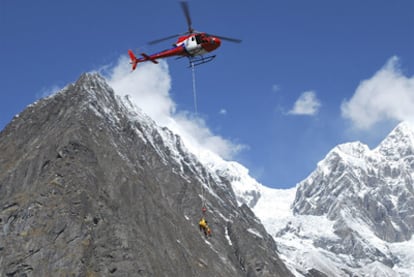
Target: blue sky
[(308, 75)]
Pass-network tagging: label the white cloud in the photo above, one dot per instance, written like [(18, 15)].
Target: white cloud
[(47, 91), (198, 136), (306, 104), (388, 95), (148, 87), (223, 111)]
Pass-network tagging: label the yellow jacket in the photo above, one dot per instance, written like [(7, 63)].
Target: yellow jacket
[(202, 223)]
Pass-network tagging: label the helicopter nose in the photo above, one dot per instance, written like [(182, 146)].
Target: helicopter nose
[(217, 41), (212, 43)]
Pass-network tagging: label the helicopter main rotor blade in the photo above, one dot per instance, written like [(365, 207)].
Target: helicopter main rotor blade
[(235, 40), (186, 10), (163, 39)]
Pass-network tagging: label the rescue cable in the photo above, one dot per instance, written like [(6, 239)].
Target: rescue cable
[(203, 200), (194, 89), (203, 226)]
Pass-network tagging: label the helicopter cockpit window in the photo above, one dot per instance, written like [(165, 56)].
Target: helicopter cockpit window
[(198, 39)]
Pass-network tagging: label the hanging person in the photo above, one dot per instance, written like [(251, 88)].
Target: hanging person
[(204, 227)]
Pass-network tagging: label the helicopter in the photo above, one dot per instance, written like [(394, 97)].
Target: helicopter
[(192, 44)]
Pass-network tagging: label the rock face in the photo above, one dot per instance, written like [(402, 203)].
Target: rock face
[(90, 186)]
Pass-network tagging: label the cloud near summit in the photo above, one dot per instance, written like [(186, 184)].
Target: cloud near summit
[(387, 95), (149, 87)]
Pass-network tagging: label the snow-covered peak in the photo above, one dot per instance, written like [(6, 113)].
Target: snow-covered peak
[(353, 150), (352, 170), (93, 83), (361, 203), (246, 188), (352, 153), (399, 143)]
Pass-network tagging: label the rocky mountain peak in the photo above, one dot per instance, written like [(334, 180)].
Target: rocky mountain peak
[(399, 143), (93, 184)]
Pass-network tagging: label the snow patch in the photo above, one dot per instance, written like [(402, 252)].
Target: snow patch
[(226, 234), (254, 232)]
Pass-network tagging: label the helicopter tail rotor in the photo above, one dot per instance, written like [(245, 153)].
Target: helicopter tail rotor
[(134, 60)]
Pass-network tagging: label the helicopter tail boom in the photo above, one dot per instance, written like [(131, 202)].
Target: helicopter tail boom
[(148, 58)]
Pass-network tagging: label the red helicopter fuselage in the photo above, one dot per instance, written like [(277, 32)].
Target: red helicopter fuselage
[(195, 44)]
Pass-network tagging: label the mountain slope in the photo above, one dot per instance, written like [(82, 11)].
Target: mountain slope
[(94, 187), (353, 215), (377, 184)]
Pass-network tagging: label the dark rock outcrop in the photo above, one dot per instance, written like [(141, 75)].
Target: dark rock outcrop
[(89, 187)]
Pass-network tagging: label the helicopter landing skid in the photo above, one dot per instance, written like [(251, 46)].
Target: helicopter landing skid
[(194, 61)]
